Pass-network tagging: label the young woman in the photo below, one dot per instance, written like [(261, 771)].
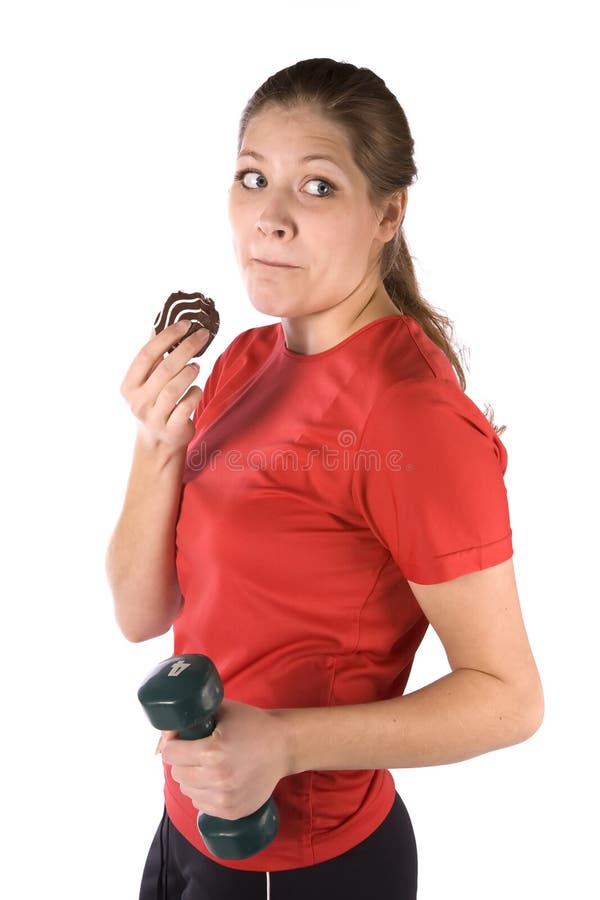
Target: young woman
[(335, 492)]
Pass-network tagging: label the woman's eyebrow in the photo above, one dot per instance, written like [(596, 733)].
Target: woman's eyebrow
[(308, 158)]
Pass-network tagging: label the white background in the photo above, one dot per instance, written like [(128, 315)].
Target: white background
[(120, 123)]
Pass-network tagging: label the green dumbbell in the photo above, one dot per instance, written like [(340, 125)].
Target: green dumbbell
[(181, 694)]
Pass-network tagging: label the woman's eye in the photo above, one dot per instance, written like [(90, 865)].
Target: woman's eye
[(240, 176)]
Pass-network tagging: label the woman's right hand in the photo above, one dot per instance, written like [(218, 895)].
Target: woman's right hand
[(154, 384)]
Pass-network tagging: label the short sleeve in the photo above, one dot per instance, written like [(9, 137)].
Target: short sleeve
[(428, 480)]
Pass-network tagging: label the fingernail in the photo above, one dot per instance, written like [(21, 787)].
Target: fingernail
[(157, 751)]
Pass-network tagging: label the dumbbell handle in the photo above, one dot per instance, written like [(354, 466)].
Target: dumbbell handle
[(197, 732)]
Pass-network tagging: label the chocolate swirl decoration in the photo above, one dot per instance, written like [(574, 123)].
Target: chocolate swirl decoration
[(200, 310)]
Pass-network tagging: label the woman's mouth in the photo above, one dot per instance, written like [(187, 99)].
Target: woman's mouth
[(275, 264)]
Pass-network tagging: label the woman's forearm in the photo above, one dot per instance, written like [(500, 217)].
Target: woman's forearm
[(464, 714), (140, 560)]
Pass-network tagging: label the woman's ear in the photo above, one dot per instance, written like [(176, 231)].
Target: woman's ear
[(393, 215)]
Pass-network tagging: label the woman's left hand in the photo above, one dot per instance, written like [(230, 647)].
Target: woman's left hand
[(233, 771)]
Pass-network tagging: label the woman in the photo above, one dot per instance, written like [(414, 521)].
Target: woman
[(334, 493)]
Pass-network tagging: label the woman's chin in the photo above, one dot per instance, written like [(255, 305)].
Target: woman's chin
[(269, 305)]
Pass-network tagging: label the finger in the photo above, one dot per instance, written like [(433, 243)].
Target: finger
[(161, 374), (168, 391), (183, 753), (176, 392), (185, 407), (165, 737), (159, 360), (151, 354)]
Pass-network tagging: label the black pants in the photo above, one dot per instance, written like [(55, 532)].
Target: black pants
[(382, 867)]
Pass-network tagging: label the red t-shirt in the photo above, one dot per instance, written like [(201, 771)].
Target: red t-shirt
[(314, 487)]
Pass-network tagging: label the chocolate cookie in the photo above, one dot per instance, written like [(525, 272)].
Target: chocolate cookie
[(200, 310)]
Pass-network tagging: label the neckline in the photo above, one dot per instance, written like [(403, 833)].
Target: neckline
[(305, 357)]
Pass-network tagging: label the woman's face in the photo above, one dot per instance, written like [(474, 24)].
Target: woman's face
[(314, 215)]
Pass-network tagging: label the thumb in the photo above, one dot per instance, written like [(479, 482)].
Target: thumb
[(165, 736)]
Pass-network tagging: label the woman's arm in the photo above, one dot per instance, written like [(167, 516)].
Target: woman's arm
[(232, 773), (464, 714), (140, 560), (492, 698)]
